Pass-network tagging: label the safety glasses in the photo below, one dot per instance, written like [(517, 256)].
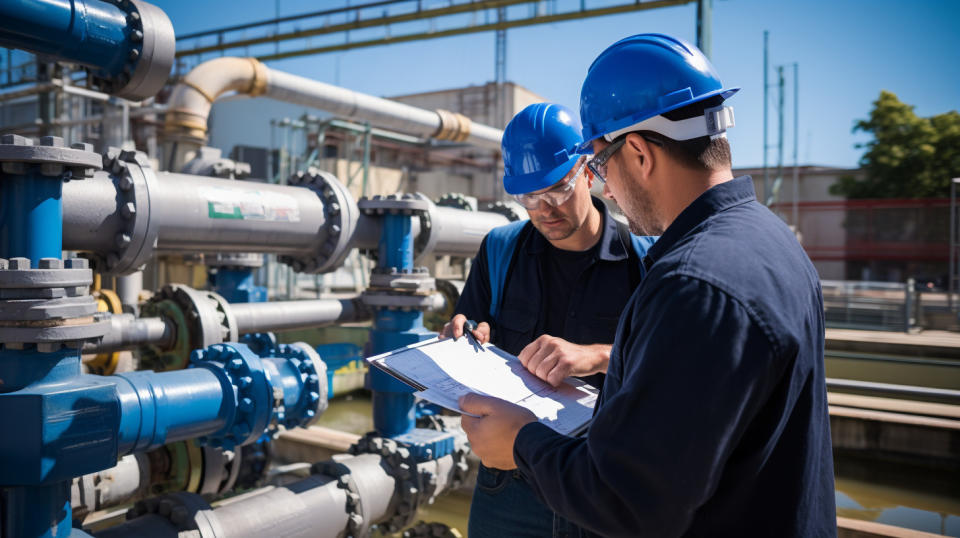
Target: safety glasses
[(598, 164), (557, 195)]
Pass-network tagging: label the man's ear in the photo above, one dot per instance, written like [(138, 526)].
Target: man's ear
[(641, 154)]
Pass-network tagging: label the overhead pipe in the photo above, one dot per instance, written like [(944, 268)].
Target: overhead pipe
[(191, 100)]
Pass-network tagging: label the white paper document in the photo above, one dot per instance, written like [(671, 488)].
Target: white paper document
[(445, 370)]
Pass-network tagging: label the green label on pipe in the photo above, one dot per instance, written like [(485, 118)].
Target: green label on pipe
[(225, 203)]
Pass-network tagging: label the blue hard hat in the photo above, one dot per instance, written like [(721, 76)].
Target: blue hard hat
[(643, 76), (539, 147)]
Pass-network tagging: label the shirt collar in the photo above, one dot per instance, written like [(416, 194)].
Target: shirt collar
[(716, 199), (611, 247)]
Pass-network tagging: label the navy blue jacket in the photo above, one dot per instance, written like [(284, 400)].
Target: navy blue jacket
[(595, 304), (713, 418)]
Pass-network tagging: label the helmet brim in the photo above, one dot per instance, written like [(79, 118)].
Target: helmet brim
[(530, 183)]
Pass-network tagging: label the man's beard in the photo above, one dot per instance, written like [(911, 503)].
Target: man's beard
[(640, 213)]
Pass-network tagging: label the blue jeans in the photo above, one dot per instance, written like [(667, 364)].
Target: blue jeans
[(505, 506)]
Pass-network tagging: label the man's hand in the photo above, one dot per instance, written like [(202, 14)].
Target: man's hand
[(492, 434), (554, 359), (454, 329)]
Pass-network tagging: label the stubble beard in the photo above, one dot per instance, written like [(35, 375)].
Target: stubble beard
[(640, 213)]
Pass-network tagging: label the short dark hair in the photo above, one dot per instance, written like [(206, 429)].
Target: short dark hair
[(698, 153)]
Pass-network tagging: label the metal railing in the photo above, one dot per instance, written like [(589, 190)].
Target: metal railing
[(882, 306)]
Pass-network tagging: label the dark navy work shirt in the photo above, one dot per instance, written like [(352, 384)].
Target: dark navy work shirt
[(593, 298), (713, 418)]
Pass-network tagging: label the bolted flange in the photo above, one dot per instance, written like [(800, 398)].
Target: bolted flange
[(49, 306), (50, 157), (341, 214)]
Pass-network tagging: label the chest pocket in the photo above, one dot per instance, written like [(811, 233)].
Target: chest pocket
[(515, 328)]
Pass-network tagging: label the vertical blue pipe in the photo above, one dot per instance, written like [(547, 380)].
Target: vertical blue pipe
[(38, 511), (31, 216), (393, 402), (396, 243), (31, 226)]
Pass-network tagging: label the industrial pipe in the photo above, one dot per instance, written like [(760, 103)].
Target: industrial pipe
[(128, 47), (127, 332), (190, 102), (346, 496), (127, 213), (291, 315)]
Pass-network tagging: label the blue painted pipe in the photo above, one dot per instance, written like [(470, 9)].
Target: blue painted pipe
[(393, 402), (159, 408), (396, 242), (40, 512), (31, 215), (237, 285), (92, 33)]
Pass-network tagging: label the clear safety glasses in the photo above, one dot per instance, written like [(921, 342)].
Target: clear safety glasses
[(598, 164), (557, 195)]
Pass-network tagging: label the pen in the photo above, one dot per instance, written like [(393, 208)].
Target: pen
[(470, 326)]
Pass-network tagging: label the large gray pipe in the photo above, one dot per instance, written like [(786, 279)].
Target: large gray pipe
[(125, 215), (319, 506), (291, 315)]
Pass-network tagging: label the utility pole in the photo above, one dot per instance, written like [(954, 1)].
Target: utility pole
[(705, 26), (766, 102), (500, 78), (779, 181), (796, 148)]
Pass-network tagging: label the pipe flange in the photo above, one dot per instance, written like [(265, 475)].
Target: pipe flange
[(48, 306), (456, 200), (136, 242), (313, 375), (394, 204), (356, 524), (340, 214), (177, 356), (17, 153), (396, 301), (511, 210), (186, 511), (417, 281), (152, 47), (426, 240), (206, 320), (240, 367), (403, 467)]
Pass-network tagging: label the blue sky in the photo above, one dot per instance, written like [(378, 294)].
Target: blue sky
[(847, 50)]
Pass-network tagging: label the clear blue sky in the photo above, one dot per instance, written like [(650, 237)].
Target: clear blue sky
[(847, 50)]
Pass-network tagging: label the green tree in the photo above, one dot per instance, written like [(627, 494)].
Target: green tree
[(909, 156)]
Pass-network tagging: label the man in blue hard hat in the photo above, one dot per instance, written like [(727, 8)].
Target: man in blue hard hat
[(713, 417), (549, 290)]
